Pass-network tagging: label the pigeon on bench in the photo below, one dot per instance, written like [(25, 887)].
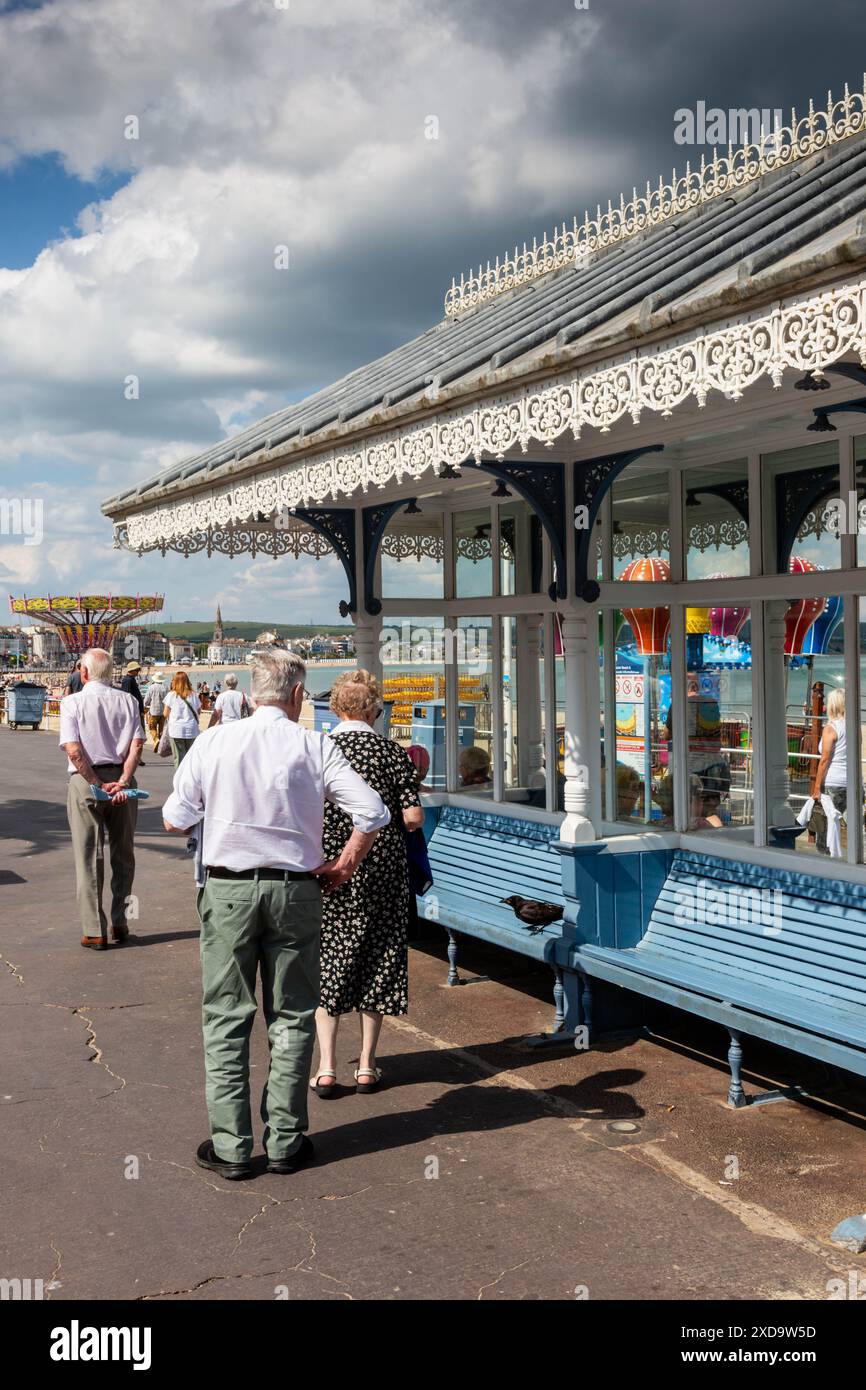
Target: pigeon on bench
[(534, 914)]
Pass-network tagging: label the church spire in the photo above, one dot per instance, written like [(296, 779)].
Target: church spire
[(218, 634)]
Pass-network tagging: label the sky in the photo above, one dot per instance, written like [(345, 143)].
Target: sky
[(152, 156)]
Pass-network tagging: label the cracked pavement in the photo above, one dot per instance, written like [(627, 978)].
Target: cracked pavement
[(484, 1170)]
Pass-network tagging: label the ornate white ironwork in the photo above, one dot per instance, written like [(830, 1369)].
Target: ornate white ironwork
[(805, 336), (569, 245), (641, 540), (418, 545)]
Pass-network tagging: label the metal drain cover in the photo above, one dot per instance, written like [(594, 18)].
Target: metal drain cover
[(623, 1127)]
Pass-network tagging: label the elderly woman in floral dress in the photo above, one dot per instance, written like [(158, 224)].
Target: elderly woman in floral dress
[(364, 956)]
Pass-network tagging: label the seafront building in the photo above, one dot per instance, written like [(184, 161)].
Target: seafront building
[(619, 484)]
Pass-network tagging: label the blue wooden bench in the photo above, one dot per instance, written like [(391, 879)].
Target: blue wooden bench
[(478, 858), (775, 954)]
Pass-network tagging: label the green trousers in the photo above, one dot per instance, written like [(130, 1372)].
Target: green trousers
[(271, 928), (90, 822)]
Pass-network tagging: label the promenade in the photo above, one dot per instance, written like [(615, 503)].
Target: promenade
[(484, 1170)]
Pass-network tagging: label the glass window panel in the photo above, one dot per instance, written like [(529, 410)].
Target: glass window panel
[(412, 556), (858, 524), (524, 777), (799, 530), (716, 520), (859, 753), (413, 671), (474, 652), (521, 550), (473, 556), (719, 721), (804, 667), (640, 512), (641, 745)]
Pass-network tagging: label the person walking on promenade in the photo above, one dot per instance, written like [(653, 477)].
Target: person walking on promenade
[(365, 923), (129, 683), (73, 684), (154, 704), (260, 785), (231, 703), (182, 708), (100, 732)]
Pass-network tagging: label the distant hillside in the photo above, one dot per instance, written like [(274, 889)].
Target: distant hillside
[(195, 631)]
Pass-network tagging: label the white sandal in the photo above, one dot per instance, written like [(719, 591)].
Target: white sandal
[(324, 1092), (360, 1088)]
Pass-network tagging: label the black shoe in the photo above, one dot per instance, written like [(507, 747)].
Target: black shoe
[(206, 1157), (303, 1154)]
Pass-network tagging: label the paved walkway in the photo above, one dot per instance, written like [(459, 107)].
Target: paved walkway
[(484, 1171)]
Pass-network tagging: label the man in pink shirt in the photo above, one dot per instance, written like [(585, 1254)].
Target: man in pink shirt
[(100, 732)]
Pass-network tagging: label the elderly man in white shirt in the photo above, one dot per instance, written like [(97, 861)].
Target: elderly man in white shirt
[(260, 786), (100, 731)]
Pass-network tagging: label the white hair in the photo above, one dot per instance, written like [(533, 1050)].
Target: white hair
[(231, 680), (274, 675), (97, 663)]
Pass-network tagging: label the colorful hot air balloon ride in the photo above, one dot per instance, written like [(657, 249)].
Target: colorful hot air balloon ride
[(818, 638), (802, 612), (649, 625)]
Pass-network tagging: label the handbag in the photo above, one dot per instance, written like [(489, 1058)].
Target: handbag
[(418, 860), (163, 748)]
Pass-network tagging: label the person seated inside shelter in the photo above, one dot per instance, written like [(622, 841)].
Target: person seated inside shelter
[(474, 767), (628, 790), (704, 805)]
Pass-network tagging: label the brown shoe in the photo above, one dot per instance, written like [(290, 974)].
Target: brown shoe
[(119, 935), (96, 943)]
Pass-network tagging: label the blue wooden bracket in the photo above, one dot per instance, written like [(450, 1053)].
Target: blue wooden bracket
[(374, 522), (736, 493), (542, 486), (796, 494), (592, 479), (337, 525)]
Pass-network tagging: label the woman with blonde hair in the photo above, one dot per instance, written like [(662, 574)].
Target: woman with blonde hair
[(831, 774), (182, 709), (364, 954)]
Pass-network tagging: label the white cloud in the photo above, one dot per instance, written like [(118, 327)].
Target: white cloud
[(258, 127)]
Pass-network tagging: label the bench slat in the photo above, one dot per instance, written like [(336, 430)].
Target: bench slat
[(804, 979), (813, 930), (786, 944), (849, 1027)]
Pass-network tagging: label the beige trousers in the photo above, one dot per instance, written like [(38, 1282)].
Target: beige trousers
[(90, 822)]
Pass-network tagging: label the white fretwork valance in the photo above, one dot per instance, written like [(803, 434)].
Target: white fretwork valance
[(806, 335)]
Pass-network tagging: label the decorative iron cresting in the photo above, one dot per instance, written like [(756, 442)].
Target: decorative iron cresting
[(803, 136)]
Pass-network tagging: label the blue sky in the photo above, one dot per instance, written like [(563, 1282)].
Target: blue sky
[(40, 203), (257, 126)]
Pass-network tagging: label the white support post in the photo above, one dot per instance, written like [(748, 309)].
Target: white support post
[(368, 644), (580, 652)]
